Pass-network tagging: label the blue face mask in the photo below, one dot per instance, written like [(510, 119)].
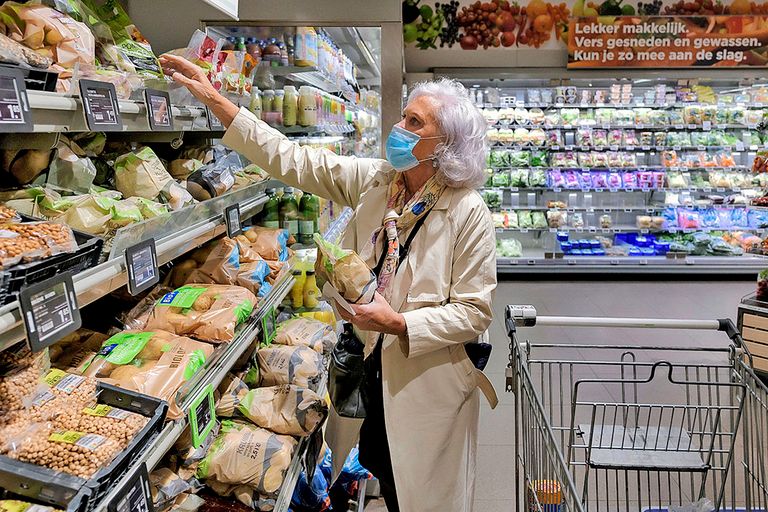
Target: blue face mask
[(399, 148)]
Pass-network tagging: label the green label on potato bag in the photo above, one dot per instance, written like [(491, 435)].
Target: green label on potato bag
[(196, 361), (126, 346), (243, 311), (183, 298)]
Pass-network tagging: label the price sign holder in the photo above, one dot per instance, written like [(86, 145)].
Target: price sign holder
[(213, 122), (49, 309), (202, 416), (141, 262), (15, 115), (232, 219), (269, 326), (159, 112), (135, 495), (100, 106)]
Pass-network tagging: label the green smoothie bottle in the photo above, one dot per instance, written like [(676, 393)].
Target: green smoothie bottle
[(310, 213), (271, 212), (289, 212)]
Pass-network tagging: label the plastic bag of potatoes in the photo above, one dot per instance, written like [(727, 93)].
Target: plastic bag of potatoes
[(306, 332), (246, 455), (76, 453), (221, 266), (270, 244), (74, 352), (279, 364), (206, 312), (160, 367), (286, 409)]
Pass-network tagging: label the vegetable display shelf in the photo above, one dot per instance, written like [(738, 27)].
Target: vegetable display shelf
[(56, 112), (213, 375), (175, 235), (533, 262)]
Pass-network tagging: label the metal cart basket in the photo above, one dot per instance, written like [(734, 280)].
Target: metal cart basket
[(636, 428)]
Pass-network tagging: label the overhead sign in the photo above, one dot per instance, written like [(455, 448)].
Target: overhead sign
[(667, 42)]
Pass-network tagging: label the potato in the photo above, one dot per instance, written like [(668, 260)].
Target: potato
[(125, 373), (251, 235), (203, 303), (181, 272), (154, 349), (28, 166)]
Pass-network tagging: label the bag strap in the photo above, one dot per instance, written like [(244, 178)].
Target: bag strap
[(403, 248)]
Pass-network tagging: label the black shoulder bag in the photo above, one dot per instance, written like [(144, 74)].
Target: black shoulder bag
[(347, 368)]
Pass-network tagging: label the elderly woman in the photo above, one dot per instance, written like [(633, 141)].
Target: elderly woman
[(419, 437)]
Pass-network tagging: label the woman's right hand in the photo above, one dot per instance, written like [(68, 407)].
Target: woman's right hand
[(190, 76), (195, 79)]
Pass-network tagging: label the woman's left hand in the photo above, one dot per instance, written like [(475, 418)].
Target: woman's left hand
[(378, 316)]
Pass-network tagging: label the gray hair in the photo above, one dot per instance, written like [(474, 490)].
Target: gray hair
[(461, 158)]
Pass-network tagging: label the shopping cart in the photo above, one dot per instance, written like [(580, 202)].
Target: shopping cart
[(636, 428)]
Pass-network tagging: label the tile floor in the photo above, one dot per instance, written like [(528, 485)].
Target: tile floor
[(650, 299)]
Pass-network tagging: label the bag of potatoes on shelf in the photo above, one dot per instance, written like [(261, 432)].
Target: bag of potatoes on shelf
[(136, 319), (23, 506), (307, 332), (221, 266), (185, 456), (68, 451), (129, 352), (345, 271), (253, 276), (280, 364), (162, 377), (95, 418), (74, 351), (24, 165), (20, 374), (270, 244), (244, 454), (285, 409), (165, 486), (207, 312)]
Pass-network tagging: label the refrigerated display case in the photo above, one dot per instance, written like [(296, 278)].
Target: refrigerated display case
[(635, 175)]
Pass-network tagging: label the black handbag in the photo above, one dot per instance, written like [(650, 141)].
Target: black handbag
[(346, 374)]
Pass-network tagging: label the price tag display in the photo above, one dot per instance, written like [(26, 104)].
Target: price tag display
[(141, 262), (50, 311), (158, 110), (213, 122), (523, 230), (679, 127), (202, 416), (706, 125), (135, 495), (232, 219), (100, 106), (614, 262), (14, 104), (269, 326)]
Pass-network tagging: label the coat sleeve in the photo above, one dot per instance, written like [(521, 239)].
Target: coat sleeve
[(469, 311), (320, 171)]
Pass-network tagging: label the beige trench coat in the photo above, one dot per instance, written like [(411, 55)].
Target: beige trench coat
[(443, 289)]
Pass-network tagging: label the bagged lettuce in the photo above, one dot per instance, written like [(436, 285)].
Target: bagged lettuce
[(206, 312), (345, 271), (142, 174)]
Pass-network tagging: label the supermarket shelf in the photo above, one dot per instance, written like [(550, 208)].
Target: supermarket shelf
[(707, 190), (722, 265), (55, 112), (157, 448), (646, 127), (735, 168), (622, 229), (102, 279), (314, 130), (307, 75), (624, 105), (574, 147), (624, 209)]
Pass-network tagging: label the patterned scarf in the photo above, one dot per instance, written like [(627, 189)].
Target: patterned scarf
[(399, 217)]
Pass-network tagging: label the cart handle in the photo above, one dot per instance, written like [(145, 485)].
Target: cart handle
[(525, 316)]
